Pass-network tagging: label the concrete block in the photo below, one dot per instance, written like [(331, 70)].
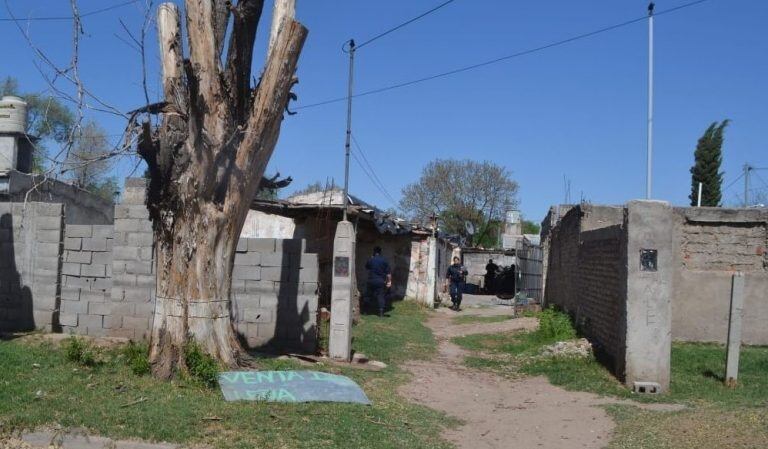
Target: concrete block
[(104, 258), (260, 287), (121, 211), (242, 246), (99, 308), (48, 236), (262, 245), (258, 316), (128, 225), (309, 288), (139, 238), (47, 263), (238, 286), (266, 331), (78, 230), (246, 299), (44, 302), (47, 250), (123, 280), (144, 309), (275, 260), (138, 267), (70, 269), (248, 273), (140, 294), (87, 320), (309, 274), (97, 332), (146, 280), (273, 274), (77, 256), (73, 243), (248, 259), (93, 270), (68, 319), (139, 212), (103, 231), (112, 321), (94, 244), (309, 261), (49, 209), (122, 308), (147, 253), (139, 323), (104, 284), (93, 295), (76, 281), (73, 307), (268, 301), (48, 223), (70, 293)]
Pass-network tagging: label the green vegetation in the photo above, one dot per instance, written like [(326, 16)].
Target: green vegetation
[(110, 400), (81, 352), (202, 367), (708, 158), (469, 319), (137, 358)]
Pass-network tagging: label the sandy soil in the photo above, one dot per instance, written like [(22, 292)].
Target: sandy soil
[(501, 413)]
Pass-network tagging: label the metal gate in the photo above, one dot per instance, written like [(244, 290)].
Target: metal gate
[(530, 269)]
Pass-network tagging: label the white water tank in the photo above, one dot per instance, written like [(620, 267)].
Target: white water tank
[(13, 115)]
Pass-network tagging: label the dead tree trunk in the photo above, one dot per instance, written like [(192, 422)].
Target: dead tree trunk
[(206, 160)]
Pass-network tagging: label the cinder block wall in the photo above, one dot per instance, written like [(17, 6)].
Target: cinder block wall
[(275, 294), (30, 246), (86, 280)]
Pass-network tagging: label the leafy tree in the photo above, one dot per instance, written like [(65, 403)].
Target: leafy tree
[(706, 168), (88, 162), (461, 191), (530, 227), (47, 118)]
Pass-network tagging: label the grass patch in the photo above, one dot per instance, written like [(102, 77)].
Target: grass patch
[(471, 319), (103, 398)]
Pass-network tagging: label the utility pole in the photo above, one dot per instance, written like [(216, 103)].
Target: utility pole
[(649, 163), (347, 146), (747, 169)]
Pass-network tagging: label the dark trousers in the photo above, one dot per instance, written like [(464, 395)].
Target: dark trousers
[(377, 295), (457, 290)]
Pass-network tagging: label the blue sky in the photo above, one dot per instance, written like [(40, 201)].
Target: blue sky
[(576, 111)]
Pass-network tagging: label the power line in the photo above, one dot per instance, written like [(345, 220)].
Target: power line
[(375, 177), (404, 24), (370, 177), (90, 13), (733, 182), (504, 58)]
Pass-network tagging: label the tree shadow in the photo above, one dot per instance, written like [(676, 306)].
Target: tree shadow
[(15, 298)]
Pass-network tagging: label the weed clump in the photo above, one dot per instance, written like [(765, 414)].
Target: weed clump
[(137, 358), (555, 325), (202, 367), (81, 352)]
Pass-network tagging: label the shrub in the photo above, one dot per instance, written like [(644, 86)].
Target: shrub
[(202, 367), (137, 358), (556, 325), (81, 352)]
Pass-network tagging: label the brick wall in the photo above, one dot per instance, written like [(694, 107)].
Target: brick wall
[(86, 279), (586, 276)]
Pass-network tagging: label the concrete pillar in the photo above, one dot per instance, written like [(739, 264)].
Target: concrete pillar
[(734, 330), (9, 151), (650, 261), (431, 278), (342, 292)]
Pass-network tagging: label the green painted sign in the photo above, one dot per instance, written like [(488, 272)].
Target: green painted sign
[(290, 386)]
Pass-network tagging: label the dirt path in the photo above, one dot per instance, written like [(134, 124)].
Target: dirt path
[(501, 413)]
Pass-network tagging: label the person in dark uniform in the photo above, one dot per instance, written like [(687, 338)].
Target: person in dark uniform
[(491, 270), (379, 280), (456, 276)]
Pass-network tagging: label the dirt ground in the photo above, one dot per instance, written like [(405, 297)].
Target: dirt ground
[(501, 413)]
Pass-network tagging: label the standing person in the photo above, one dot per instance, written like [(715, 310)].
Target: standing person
[(490, 277), (379, 280), (456, 276)]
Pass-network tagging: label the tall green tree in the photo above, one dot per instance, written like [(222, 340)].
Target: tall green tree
[(47, 118), (706, 168)]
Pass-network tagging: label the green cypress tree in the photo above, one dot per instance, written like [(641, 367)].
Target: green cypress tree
[(706, 168)]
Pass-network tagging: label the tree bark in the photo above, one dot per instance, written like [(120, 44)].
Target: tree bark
[(206, 160)]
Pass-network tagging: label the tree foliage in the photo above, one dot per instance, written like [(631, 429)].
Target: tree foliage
[(530, 227), (706, 168), (88, 161), (47, 118), (460, 192)]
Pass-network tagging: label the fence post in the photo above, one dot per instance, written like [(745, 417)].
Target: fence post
[(734, 330)]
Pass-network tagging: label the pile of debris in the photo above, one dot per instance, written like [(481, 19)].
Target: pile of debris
[(580, 348)]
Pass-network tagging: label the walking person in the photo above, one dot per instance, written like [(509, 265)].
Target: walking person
[(491, 270), (456, 276), (379, 281)]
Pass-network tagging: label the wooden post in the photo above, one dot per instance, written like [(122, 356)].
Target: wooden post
[(734, 330)]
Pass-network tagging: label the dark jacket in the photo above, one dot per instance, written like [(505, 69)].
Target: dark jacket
[(378, 270)]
